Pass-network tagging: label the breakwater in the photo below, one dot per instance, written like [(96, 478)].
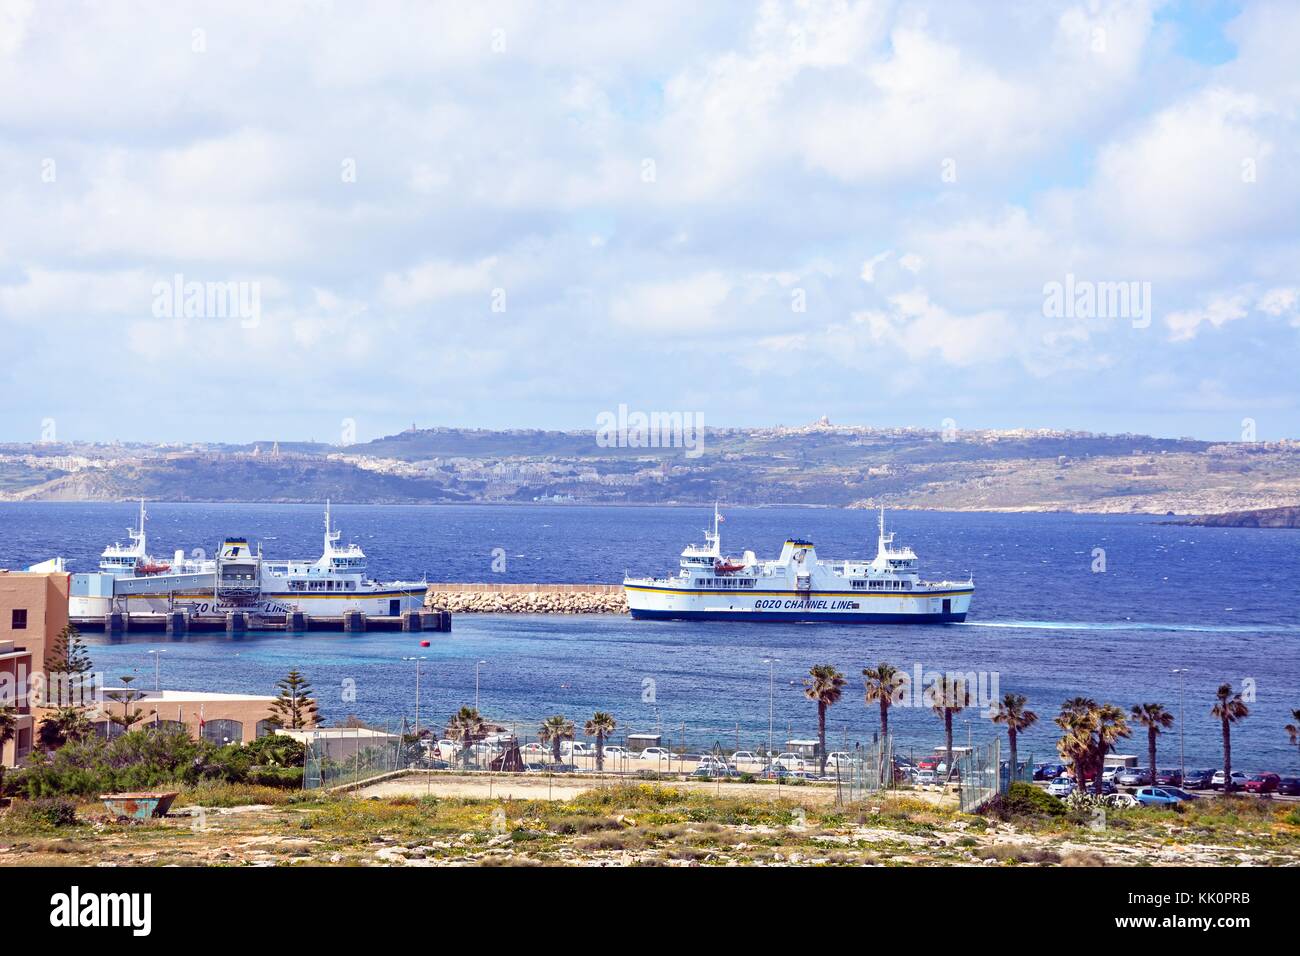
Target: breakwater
[(527, 598)]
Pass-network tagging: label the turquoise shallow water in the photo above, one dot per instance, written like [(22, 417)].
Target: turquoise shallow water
[(1220, 602)]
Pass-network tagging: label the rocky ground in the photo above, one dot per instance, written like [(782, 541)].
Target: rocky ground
[(621, 825), (528, 602)]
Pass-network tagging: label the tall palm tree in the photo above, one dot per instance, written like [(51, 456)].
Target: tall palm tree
[(600, 726), (8, 723), (882, 684), (1154, 718), (553, 731), (1013, 715), (825, 685), (952, 700), (465, 725), (1293, 730), (1229, 708)]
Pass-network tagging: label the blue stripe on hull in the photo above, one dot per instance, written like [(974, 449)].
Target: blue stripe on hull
[(788, 617)]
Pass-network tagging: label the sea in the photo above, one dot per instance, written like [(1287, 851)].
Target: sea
[(1125, 609)]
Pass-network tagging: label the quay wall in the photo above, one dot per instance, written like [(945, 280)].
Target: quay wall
[(482, 598)]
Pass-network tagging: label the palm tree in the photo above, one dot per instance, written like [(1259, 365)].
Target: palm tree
[(1229, 708), (465, 725), (951, 701), (1091, 731), (555, 730), (63, 725), (1012, 713), (1154, 718), (825, 685), (600, 726), (1293, 730), (882, 684), (8, 724)]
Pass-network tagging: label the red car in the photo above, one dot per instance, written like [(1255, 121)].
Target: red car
[(1262, 782)]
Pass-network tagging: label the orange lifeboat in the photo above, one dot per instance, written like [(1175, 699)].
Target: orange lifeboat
[(728, 566), (152, 568)]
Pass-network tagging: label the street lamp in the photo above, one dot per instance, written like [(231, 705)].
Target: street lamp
[(1182, 760), (157, 661), (476, 667), (771, 663), (417, 692)]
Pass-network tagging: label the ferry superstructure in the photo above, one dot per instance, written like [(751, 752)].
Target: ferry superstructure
[(798, 586), (239, 578)]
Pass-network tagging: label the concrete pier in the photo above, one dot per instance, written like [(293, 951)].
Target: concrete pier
[(241, 622)]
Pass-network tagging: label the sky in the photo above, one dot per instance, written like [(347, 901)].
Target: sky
[(247, 221)]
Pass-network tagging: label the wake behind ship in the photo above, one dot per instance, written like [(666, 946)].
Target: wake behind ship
[(798, 586)]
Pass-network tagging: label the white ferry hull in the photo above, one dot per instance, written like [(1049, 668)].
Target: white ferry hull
[(383, 603), (842, 607)]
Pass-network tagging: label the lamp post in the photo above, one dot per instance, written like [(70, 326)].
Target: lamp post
[(1182, 760), (417, 692), (157, 666), (771, 663), (477, 665)]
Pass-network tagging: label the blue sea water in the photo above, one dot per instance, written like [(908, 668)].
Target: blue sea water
[(1221, 603)]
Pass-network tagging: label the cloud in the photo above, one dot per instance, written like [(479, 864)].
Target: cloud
[(381, 175), (1217, 313)]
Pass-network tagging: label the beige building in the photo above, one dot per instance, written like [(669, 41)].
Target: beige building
[(220, 718), (33, 609)]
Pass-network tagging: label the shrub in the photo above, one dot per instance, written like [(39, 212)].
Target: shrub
[(1025, 800), (45, 813)]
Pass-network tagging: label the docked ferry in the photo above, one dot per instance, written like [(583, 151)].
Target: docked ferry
[(238, 578), (798, 586)]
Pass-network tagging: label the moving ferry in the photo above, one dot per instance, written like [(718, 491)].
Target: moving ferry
[(798, 586), (239, 578)]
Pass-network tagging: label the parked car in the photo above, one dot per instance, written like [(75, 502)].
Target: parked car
[(1198, 779), (1133, 777), (1262, 782), (924, 778), (1048, 771), (1061, 786), (774, 772), (714, 770), (836, 757), (1238, 780), (577, 748), (791, 761), (1290, 786), (1120, 801), (928, 763), (1110, 773), (745, 758), (1163, 796), (615, 752), (655, 753), (1169, 778)]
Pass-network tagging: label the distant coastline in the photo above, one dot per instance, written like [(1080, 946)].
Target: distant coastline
[(817, 465)]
